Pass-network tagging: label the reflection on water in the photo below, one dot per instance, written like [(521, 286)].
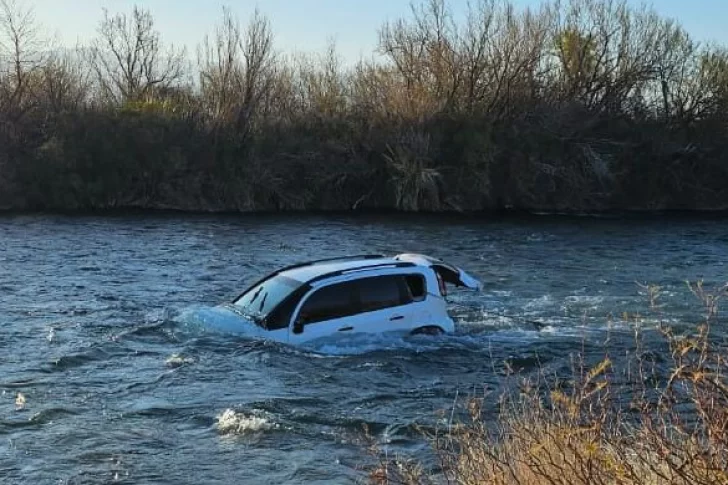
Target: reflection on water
[(98, 336)]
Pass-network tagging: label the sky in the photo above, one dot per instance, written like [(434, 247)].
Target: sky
[(308, 25)]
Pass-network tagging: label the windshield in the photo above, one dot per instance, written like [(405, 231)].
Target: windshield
[(261, 299)]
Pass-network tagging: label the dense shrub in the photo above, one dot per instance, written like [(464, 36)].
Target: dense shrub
[(583, 105)]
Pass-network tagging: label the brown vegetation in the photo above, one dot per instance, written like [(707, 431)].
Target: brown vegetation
[(581, 105), (603, 426)]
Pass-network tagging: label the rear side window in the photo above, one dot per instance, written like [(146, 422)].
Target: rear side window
[(416, 286), (329, 302), (382, 292), (360, 296)]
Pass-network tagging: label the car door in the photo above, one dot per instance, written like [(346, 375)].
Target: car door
[(376, 305), (325, 311), (385, 305)]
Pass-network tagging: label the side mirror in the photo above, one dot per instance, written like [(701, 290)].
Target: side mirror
[(298, 326)]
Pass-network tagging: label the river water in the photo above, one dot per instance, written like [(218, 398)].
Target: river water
[(98, 333)]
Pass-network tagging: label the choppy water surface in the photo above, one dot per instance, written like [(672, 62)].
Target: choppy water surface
[(97, 333)]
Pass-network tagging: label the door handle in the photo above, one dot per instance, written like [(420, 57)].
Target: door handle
[(346, 329), (396, 317)]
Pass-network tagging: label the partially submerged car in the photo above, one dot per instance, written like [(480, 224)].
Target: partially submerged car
[(357, 294)]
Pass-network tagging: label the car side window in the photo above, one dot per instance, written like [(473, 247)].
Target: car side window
[(280, 317), (329, 302), (381, 292), (416, 286)]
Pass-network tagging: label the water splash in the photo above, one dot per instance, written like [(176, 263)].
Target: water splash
[(20, 401), (216, 319), (231, 422), (177, 360)]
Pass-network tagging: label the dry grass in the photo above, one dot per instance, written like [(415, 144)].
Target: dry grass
[(416, 182), (585, 431)]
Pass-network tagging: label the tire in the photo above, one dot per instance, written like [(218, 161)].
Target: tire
[(428, 330)]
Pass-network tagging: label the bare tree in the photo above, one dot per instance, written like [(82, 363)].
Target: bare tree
[(21, 54), (484, 64), (237, 71), (219, 60), (502, 53), (424, 52), (129, 59), (376, 91), (607, 51), (259, 59), (65, 82), (284, 102), (476, 42), (712, 77), (676, 74), (322, 82)]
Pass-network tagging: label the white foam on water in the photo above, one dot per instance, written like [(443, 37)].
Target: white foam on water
[(216, 319), (359, 344), (544, 301), (487, 319), (20, 401), (473, 330), (591, 300), (197, 315), (232, 422), (177, 360), (463, 338)]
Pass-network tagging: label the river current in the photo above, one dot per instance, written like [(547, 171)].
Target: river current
[(106, 376)]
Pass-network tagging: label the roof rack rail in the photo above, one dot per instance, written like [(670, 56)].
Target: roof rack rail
[(309, 263), (326, 260), (340, 272)]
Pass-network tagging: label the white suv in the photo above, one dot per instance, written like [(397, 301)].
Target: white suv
[(357, 294)]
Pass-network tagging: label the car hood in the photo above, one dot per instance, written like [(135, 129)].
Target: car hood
[(224, 318)]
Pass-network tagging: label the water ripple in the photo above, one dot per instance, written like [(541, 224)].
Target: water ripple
[(121, 387)]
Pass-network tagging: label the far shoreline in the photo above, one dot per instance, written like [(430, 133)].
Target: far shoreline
[(473, 216)]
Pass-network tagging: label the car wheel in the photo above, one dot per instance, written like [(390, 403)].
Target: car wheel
[(428, 330)]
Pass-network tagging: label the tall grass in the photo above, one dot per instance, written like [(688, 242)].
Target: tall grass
[(602, 425)]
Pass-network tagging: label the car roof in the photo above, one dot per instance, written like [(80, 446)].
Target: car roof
[(306, 272)]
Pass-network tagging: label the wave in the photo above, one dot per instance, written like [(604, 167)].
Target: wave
[(474, 330), (238, 423)]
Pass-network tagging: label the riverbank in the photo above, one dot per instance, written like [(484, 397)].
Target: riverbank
[(506, 215), (661, 419), (110, 161), (581, 106)]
